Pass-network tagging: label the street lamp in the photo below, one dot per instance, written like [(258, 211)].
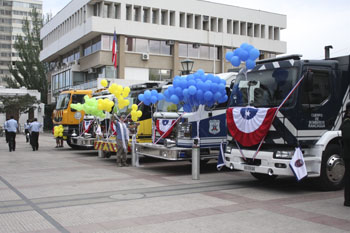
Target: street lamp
[(187, 66)]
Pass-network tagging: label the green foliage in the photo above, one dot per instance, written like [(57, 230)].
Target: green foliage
[(18, 103), (29, 71)]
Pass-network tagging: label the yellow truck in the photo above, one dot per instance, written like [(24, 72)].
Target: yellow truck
[(64, 115)]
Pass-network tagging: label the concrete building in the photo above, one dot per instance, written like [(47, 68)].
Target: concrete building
[(153, 37), (38, 113), (12, 16)]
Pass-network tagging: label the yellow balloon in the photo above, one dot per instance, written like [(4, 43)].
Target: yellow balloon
[(139, 113), (134, 107), (127, 102), (134, 118), (104, 83)]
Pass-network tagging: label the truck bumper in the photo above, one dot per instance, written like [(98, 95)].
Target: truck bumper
[(83, 142), (162, 152), (265, 163)]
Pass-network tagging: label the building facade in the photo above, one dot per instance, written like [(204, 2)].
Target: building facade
[(153, 37), (12, 16), (38, 112)]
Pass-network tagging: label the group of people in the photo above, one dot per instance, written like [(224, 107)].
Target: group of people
[(32, 130)]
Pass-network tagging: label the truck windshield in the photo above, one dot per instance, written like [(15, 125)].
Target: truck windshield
[(266, 88), (63, 101), (164, 106)]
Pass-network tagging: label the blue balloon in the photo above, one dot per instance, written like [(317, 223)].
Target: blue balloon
[(223, 99), (254, 54), (183, 83), (246, 47), (222, 88), (147, 95), (141, 97), (171, 90), (190, 77), (235, 61), (154, 93), (222, 81), (178, 91), (192, 90), (214, 87), (207, 85), (154, 99), (200, 72), (174, 99), (192, 82), (160, 96), (208, 96), (199, 95), (185, 93), (216, 79), (229, 55), (147, 102), (244, 55), (238, 52), (217, 96), (210, 77), (176, 83), (250, 64), (166, 94)]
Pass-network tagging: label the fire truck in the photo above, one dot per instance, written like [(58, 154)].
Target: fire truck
[(64, 115), (176, 144), (310, 118), (87, 137)]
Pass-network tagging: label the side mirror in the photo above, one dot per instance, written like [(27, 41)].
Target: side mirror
[(309, 81)]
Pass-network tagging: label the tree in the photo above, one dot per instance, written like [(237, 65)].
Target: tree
[(29, 71), (18, 103)]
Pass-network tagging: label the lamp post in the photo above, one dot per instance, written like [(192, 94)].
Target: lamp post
[(187, 66)]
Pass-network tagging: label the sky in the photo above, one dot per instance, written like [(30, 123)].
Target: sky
[(311, 24)]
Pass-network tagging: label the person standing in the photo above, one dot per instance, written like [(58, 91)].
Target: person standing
[(26, 130), (12, 126), (34, 128), (122, 142), (345, 129), (6, 134)]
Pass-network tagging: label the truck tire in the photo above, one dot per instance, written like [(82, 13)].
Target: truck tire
[(264, 177), (332, 169)]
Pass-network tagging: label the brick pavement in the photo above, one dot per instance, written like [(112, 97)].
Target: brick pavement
[(60, 190)]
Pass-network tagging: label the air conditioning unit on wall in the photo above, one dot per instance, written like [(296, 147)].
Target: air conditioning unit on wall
[(145, 57)]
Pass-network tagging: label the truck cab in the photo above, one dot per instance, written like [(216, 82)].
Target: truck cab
[(64, 115), (174, 130), (309, 118)]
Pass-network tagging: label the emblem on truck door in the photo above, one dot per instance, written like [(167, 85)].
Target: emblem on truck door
[(214, 126)]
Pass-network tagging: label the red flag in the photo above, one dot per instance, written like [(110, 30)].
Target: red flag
[(249, 125), (114, 50)]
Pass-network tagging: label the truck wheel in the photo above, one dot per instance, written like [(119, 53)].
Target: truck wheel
[(264, 177), (332, 169)]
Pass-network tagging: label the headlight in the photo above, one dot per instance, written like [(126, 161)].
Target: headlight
[(184, 130), (283, 154), (228, 149)]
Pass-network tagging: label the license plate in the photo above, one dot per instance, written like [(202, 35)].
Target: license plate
[(249, 168)]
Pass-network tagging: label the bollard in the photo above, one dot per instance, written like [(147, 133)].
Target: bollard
[(195, 160), (133, 152), (100, 153)]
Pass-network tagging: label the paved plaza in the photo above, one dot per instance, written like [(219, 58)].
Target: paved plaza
[(61, 190)]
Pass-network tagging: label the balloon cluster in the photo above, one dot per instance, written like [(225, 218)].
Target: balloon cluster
[(120, 93), (150, 97), (105, 104), (196, 89), (89, 107), (104, 83), (246, 53), (58, 131), (135, 114)]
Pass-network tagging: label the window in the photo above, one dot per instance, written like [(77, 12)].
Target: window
[(146, 15), (172, 18), (96, 44), (63, 101), (183, 50), (165, 49), (229, 26), (154, 46), (193, 52), (189, 21), (141, 46), (117, 11), (96, 9), (159, 75), (128, 12), (87, 48), (155, 16), (182, 20), (106, 44), (165, 17), (137, 13), (318, 93), (204, 52)]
